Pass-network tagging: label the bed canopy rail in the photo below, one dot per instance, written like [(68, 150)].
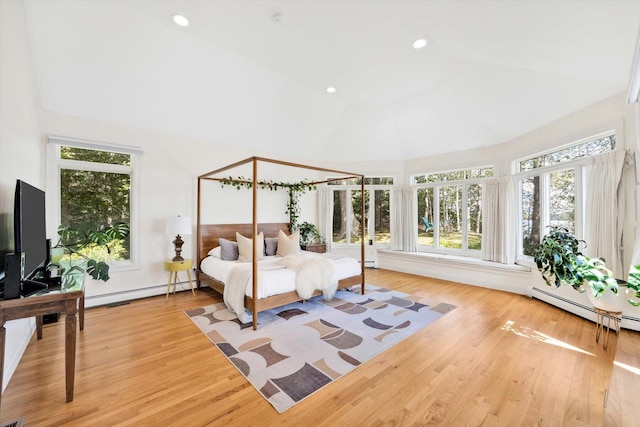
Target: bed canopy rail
[(255, 182)]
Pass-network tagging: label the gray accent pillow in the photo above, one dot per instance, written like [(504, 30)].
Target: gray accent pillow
[(270, 246), (229, 250)]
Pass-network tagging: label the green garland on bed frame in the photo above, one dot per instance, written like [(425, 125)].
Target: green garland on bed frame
[(296, 189)]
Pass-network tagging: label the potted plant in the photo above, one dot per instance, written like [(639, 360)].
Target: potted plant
[(633, 284), (560, 261), (88, 250), (309, 234)]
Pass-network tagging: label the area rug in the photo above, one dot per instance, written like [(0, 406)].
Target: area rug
[(301, 347)]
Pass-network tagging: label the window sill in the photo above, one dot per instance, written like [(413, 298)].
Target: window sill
[(122, 266), (456, 259)]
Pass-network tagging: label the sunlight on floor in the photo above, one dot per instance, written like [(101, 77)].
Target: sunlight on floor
[(526, 332), (629, 368)]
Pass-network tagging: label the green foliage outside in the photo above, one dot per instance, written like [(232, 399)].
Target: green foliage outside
[(451, 208), (94, 156), (452, 240), (561, 188), (95, 211), (381, 213), (95, 247), (112, 251)]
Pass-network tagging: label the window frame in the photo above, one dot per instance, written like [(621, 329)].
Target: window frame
[(579, 165), (370, 230), (579, 168), (464, 221), (54, 193)]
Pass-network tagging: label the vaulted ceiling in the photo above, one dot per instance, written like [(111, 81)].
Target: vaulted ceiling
[(491, 71)]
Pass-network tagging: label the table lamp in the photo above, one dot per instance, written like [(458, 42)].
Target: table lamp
[(177, 225)]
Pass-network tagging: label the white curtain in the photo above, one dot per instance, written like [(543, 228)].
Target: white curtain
[(605, 208), (499, 220), (325, 215), (404, 222)]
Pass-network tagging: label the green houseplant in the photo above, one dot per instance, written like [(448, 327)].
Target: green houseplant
[(560, 261), (633, 283), (89, 250), (309, 234)]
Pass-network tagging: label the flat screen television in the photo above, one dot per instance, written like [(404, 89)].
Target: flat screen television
[(27, 264), (30, 227)]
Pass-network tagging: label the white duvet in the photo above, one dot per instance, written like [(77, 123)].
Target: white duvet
[(274, 278)]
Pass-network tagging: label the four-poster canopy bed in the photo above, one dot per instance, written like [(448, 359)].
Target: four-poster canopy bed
[(209, 237)]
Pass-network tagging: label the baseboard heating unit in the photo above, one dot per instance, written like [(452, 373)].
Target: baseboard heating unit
[(370, 263), (371, 257), (567, 304), (15, 423)]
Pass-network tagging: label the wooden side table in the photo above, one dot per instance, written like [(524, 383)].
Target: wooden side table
[(173, 267), (69, 300), (316, 247), (616, 316)]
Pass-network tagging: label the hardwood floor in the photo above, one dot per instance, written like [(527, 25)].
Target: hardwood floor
[(497, 359)]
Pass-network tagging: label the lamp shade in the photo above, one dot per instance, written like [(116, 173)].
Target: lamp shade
[(178, 225)]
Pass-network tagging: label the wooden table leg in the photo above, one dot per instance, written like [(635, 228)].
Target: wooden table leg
[(81, 311), (1, 356), (175, 281), (168, 286), (39, 327), (70, 346), (191, 283)]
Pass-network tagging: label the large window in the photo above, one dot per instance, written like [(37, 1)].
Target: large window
[(96, 191), (551, 189), (347, 210), (450, 210)]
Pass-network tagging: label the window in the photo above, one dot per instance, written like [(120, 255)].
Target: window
[(450, 210), (551, 189), (347, 210), (96, 186)]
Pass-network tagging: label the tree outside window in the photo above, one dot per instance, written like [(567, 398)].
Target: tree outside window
[(548, 192), (95, 192), (425, 216), (530, 195), (347, 210), (450, 209)]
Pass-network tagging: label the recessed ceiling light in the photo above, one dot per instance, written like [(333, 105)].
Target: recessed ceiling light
[(331, 89), (420, 43), (180, 20), (279, 17)]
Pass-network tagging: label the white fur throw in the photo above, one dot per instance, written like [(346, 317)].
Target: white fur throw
[(312, 272)]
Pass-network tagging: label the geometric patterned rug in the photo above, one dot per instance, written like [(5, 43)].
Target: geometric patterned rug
[(301, 347)]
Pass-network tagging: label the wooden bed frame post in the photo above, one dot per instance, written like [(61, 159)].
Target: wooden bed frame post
[(362, 234), (198, 236), (254, 311)]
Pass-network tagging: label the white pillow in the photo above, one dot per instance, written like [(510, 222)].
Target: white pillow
[(288, 245), (216, 252), (245, 245)]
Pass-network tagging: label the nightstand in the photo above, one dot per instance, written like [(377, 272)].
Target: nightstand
[(173, 267), (316, 247)]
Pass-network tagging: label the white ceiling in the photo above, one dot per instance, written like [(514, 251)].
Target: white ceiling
[(492, 70)]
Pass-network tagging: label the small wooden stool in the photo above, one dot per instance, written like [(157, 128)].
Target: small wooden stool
[(173, 267)]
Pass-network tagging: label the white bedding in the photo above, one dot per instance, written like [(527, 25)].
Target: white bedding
[(273, 278)]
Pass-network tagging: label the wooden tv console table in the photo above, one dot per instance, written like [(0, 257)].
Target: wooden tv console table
[(70, 301)]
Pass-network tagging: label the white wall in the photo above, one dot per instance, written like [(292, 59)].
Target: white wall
[(21, 149)]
